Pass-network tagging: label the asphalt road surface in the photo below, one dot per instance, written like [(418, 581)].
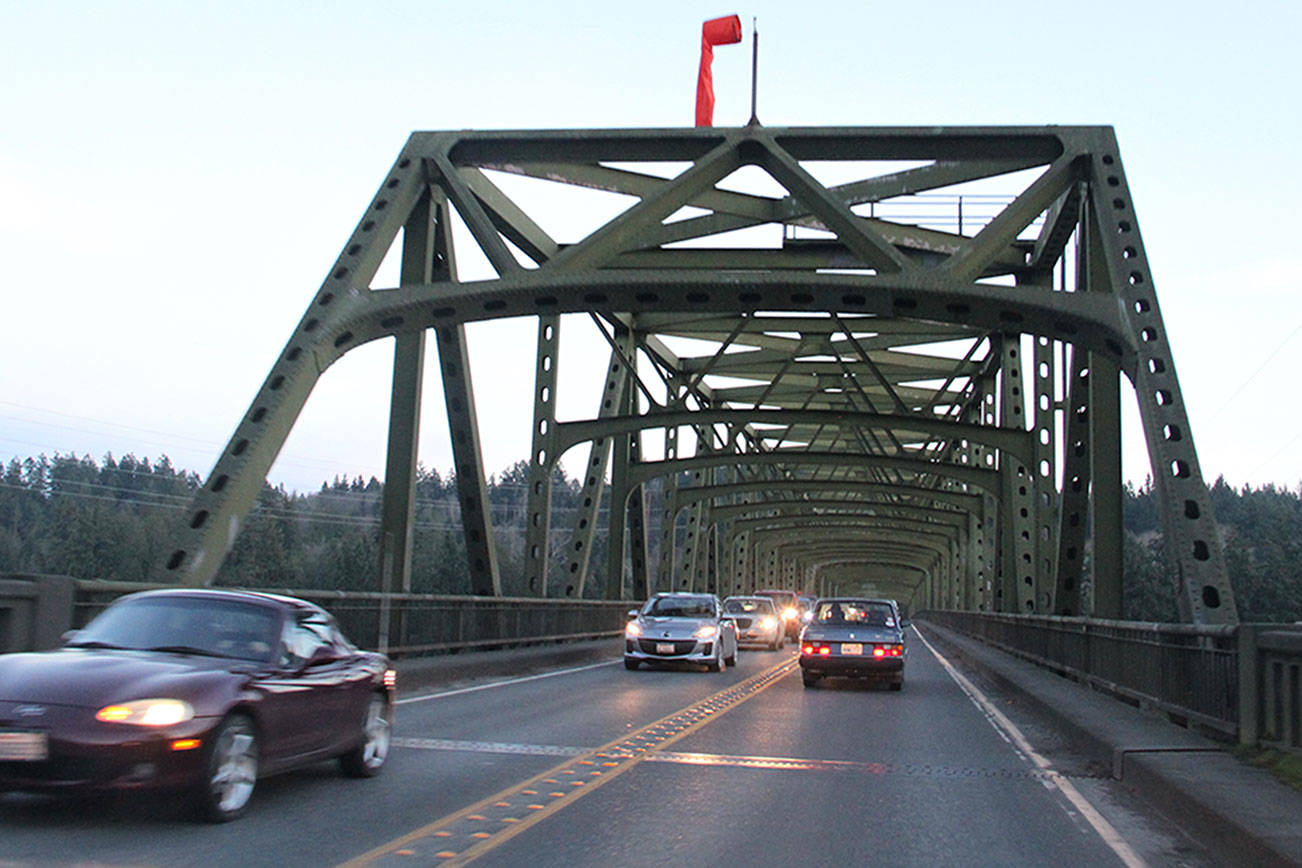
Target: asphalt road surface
[(599, 766)]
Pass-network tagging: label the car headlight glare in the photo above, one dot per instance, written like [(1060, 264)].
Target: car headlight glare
[(632, 628), (768, 622), (790, 613), (706, 631), (147, 712)]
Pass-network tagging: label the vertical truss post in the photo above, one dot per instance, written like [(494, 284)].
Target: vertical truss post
[(665, 578), (1044, 472), (594, 473), (689, 579), (468, 460), (989, 545), (743, 582), (713, 581), (972, 593), (542, 460), (637, 542), (422, 241), (627, 506), (1106, 487), (1017, 501), (729, 581), (972, 599), (1072, 596)]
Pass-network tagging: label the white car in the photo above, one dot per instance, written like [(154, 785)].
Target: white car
[(756, 620), (680, 627)]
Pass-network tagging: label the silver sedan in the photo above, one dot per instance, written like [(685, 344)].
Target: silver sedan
[(680, 627), (756, 620)]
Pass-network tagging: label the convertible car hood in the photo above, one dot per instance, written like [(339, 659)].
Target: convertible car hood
[(92, 678)]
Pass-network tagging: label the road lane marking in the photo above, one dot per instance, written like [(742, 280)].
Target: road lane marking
[(1009, 730), (762, 762), (504, 683), (469, 833)]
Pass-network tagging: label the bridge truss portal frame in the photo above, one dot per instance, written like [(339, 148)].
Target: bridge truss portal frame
[(866, 365)]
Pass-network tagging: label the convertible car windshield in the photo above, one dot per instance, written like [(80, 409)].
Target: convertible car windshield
[(844, 612), (220, 628), (678, 607)]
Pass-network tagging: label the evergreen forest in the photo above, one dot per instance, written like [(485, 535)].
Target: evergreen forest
[(110, 519)]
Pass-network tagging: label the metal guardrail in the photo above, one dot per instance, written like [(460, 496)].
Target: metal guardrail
[(406, 624), (1238, 681)]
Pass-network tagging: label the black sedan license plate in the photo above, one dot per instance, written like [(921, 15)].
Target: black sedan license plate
[(24, 746)]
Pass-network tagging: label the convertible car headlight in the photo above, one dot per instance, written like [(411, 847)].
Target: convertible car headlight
[(147, 712), (632, 629), (706, 631)]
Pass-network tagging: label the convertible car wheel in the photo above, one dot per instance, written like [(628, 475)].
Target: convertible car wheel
[(231, 771), (367, 758)]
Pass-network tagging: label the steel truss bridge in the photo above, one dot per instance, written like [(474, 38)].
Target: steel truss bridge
[(869, 359)]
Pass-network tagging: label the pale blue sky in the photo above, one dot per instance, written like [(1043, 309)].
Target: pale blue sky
[(176, 179)]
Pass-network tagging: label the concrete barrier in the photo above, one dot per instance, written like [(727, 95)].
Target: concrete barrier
[(35, 611)]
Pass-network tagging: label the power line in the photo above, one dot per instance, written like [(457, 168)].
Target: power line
[(1254, 374)]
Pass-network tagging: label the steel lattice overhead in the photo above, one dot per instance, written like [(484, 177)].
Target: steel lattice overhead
[(881, 358)]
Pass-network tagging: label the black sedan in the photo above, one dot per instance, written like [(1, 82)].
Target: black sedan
[(853, 637), (203, 691)]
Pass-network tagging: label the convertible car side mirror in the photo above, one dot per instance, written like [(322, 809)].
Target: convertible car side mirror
[(320, 657)]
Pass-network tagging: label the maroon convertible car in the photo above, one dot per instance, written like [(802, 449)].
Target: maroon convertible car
[(199, 690)]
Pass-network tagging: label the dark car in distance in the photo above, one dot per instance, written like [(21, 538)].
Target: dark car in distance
[(856, 638), (201, 691)]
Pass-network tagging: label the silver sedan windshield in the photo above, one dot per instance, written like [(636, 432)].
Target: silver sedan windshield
[(680, 607)]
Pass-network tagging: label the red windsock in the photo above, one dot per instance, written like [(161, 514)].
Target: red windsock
[(716, 31)]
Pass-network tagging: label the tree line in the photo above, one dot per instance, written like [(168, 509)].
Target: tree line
[(1261, 533), (112, 518)]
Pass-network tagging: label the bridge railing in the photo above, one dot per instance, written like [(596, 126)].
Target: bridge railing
[(1241, 682), (406, 624)]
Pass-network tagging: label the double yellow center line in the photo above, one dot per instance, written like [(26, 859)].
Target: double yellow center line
[(461, 837)]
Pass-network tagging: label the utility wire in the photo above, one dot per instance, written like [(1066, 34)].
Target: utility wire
[(1254, 374)]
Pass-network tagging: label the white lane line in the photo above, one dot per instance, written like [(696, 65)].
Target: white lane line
[(1010, 731), (504, 683)]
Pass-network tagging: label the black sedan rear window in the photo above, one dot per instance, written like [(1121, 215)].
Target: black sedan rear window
[(855, 612), (219, 628)]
